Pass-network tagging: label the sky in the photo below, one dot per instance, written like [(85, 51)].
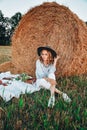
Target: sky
[(10, 7)]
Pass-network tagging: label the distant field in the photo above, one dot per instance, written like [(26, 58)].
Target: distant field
[(5, 53)]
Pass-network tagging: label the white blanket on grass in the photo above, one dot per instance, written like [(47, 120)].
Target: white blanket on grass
[(14, 88)]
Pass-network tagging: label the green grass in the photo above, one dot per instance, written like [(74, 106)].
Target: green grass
[(30, 111)]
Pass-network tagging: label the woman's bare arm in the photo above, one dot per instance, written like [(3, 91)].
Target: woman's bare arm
[(55, 60)]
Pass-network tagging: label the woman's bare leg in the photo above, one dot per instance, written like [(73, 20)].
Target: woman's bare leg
[(58, 91), (52, 90), (51, 101)]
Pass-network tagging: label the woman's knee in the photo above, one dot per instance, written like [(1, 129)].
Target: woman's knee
[(52, 76), (41, 81)]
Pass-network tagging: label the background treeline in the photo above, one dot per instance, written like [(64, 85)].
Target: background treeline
[(7, 27)]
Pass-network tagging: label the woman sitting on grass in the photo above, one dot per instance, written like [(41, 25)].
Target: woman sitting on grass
[(45, 73)]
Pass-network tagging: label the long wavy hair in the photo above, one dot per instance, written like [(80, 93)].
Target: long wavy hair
[(50, 59)]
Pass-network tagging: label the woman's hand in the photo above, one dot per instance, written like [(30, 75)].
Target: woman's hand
[(56, 59), (51, 81)]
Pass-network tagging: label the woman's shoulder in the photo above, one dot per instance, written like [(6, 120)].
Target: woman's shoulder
[(38, 61)]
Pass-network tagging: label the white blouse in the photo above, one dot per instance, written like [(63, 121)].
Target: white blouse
[(42, 70)]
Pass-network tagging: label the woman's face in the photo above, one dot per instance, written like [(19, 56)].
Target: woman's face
[(44, 55)]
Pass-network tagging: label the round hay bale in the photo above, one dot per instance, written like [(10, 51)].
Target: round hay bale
[(56, 26), (8, 66)]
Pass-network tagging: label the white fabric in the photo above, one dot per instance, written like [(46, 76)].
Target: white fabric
[(14, 88), (42, 70), (52, 76), (42, 83)]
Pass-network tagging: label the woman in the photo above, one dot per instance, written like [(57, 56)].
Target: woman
[(45, 73)]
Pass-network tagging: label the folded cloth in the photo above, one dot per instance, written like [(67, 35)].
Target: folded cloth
[(14, 87)]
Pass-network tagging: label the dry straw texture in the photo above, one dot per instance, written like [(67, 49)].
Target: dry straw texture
[(54, 25)]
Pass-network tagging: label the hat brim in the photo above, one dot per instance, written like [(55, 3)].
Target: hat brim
[(54, 54)]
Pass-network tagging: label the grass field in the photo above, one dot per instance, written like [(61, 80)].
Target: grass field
[(5, 53), (30, 111)]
